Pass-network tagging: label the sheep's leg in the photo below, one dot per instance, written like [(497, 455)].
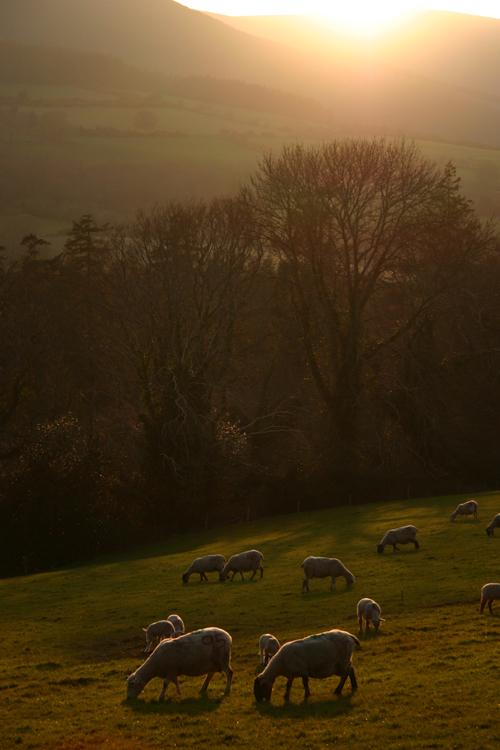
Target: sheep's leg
[(305, 585), (229, 680), (338, 689), (367, 625), (242, 576), (166, 683), (490, 602), (261, 655), (396, 549), (288, 688), (332, 585), (261, 571), (206, 681), (305, 682), (234, 573), (417, 545), (352, 677), (205, 576), (253, 574), (148, 646), (177, 686), (360, 620), (483, 602)]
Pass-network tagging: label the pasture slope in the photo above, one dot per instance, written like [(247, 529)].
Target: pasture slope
[(429, 679)]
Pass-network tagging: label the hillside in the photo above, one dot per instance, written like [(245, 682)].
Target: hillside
[(454, 48), (71, 638), (166, 36)]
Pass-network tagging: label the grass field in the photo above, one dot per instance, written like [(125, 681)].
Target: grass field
[(429, 678)]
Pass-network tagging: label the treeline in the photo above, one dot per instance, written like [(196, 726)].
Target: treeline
[(329, 335), (26, 64)]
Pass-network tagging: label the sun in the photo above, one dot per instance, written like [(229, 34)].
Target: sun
[(361, 17)]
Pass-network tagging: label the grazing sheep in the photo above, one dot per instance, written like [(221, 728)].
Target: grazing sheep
[(268, 647), (490, 530), (317, 656), (161, 629), (202, 652), (325, 567), (178, 624), (370, 611), (203, 565), (243, 562), (465, 509), (403, 535), (489, 593)]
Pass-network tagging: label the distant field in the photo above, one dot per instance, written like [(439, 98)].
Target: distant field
[(429, 679), (46, 91)]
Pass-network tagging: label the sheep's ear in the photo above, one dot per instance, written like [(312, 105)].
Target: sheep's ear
[(382, 619)]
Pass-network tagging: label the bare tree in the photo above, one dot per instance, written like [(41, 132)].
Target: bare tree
[(367, 236)]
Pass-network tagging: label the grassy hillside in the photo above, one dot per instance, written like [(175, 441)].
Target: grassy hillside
[(163, 35), (429, 678)]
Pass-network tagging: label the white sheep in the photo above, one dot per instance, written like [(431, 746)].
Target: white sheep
[(161, 629), (490, 530), (245, 561), (489, 593), (203, 565), (178, 624), (370, 611), (202, 652), (268, 647), (465, 509), (403, 535), (316, 656), (325, 567)]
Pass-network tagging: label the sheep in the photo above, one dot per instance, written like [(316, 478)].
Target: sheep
[(317, 656), (203, 565), (370, 611), (243, 562), (161, 629), (489, 593), (465, 509), (178, 624), (202, 652), (403, 535), (268, 647), (490, 530), (324, 567)]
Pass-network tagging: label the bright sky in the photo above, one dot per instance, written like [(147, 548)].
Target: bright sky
[(368, 14)]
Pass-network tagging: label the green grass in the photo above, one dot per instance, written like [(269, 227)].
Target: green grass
[(429, 678)]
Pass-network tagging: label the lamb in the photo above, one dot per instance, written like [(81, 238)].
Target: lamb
[(178, 624), (324, 567), (465, 509), (403, 535), (203, 565), (370, 611), (489, 593), (202, 652), (243, 562), (490, 530), (316, 656), (268, 647), (161, 629)]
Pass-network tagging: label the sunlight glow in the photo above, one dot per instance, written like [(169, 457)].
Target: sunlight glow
[(359, 17)]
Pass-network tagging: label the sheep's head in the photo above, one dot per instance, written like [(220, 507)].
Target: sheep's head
[(185, 578), (349, 580), (488, 531), (222, 576), (380, 548), (135, 686), (262, 689), (452, 516)]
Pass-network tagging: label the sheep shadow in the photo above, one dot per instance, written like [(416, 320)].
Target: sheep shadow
[(170, 706), (308, 708)]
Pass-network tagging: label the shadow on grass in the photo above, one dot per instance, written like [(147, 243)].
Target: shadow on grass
[(189, 706), (307, 708)]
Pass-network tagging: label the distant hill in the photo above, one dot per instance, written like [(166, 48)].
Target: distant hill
[(38, 63), (455, 48), (162, 35)]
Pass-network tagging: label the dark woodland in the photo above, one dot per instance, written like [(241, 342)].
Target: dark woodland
[(329, 335)]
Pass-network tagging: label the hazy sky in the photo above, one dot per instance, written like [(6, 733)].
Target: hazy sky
[(364, 12)]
